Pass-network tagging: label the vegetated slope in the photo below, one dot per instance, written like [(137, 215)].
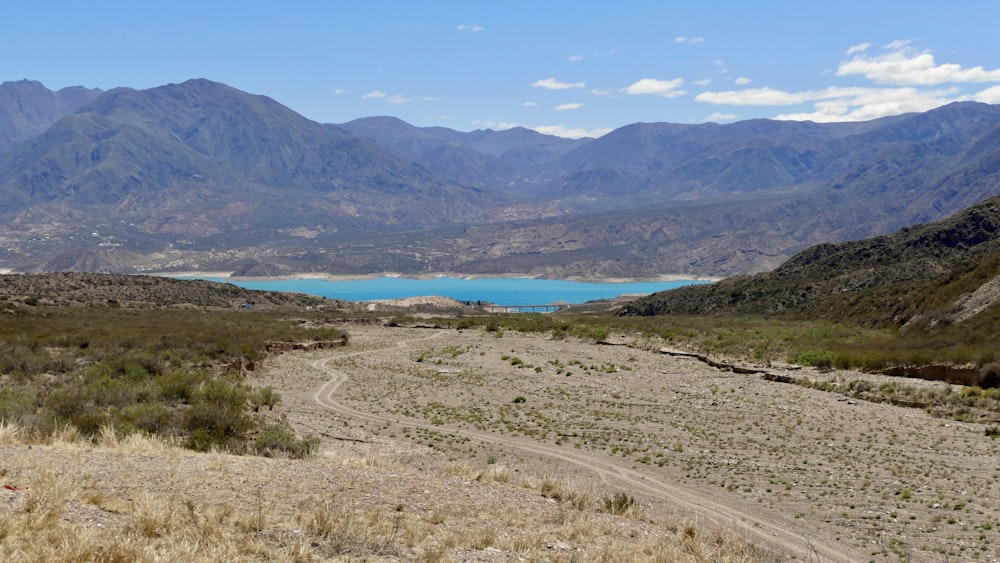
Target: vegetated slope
[(28, 108), (88, 289), (936, 273)]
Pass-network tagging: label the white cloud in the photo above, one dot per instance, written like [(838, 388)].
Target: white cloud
[(395, 98), (836, 103), (680, 39), (553, 84), (696, 40), (601, 92), (530, 104), (703, 82), (990, 95), (472, 28), (859, 48), (903, 65), (575, 58), (496, 125), (903, 80), (569, 106), (898, 44), (690, 40), (340, 91), (665, 88), (742, 81), (571, 132), (750, 97), (721, 116)]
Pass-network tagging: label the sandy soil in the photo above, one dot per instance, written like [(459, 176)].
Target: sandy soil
[(802, 472), (431, 275)]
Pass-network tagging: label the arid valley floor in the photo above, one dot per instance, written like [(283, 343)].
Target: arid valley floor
[(808, 473), (475, 445)]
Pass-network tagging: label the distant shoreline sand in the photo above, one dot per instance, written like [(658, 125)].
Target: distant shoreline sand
[(352, 277)]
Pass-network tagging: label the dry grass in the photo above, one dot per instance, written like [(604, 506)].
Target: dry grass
[(142, 499)]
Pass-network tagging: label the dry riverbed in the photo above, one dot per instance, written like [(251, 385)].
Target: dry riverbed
[(803, 473)]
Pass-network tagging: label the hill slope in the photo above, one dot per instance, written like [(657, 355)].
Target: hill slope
[(27, 108), (920, 275), (199, 159)]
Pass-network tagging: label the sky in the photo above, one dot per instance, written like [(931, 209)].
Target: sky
[(580, 68)]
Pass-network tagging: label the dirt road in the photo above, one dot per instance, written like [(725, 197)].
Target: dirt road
[(724, 457)]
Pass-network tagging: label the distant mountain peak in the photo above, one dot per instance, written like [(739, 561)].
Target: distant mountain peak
[(28, 108)]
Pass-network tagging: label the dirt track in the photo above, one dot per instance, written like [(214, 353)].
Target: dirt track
[(804, 472)]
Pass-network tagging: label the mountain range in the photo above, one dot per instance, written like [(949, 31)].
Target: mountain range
[(199, 175)]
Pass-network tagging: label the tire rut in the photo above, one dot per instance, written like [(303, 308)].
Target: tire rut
[(764, 531)]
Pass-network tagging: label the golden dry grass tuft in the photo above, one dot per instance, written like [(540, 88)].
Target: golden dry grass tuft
[(141, 499)]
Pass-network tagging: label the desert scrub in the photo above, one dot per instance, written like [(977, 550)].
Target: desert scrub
[(157, 371), (279, 441)]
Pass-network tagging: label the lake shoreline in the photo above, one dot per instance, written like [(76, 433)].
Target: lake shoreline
[(355, 277), (510, 290)]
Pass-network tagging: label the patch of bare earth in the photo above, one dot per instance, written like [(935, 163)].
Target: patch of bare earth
[(445, 445), (802, 473)]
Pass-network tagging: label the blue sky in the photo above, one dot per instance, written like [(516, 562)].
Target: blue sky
[(566, 68)]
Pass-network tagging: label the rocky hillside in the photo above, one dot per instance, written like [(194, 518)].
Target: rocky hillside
[(76, 289), (934, 274), (27, 108)]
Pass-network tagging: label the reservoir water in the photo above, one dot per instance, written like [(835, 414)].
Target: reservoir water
[(501, 291)]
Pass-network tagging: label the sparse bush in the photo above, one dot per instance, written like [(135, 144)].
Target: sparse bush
[(265, 397), (215, 425), (822, 359), (620, 504), (16, 403), (276, 441), (179, 385), (153, 418)]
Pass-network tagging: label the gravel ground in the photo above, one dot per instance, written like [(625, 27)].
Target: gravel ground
[(803, 472)]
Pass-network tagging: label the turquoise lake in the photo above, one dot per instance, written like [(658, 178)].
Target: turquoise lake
[(501, 291)]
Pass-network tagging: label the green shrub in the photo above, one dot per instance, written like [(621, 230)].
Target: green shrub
[(179, 386), (223, 393), (216, 423), (817, 358), (276, 441), (153, 418), (16, 403), (111, 392), (265, 397), (66, 403), (90, 422)]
